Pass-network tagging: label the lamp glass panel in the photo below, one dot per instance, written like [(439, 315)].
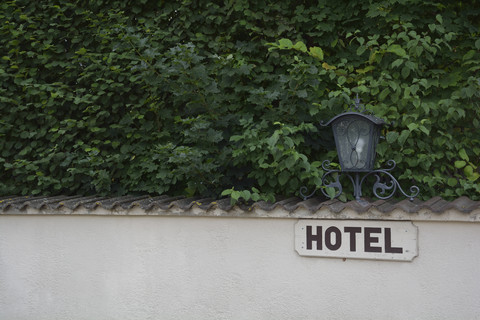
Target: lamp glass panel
[(354, 137)]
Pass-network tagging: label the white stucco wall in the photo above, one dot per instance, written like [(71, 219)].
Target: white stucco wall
[(142, 267)]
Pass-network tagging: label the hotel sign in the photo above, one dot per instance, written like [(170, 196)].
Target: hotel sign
[(359, 239)]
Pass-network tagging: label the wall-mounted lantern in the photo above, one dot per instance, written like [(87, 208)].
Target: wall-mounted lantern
[(356, 137)]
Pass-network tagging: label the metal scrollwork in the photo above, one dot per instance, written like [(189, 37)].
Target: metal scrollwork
[(382, 189), (304, 190), (357, 106), (328, 175), (335, 184), (392, 164)]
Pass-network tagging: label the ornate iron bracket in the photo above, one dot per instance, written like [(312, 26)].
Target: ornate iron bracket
[(382, 190)]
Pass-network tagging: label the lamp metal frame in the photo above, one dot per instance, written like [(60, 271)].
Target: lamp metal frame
[(357, 171)]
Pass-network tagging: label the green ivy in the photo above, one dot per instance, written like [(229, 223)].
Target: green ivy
[(225, 98)]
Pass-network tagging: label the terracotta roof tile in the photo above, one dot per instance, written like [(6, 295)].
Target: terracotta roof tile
[(464, 204), (436, 205), (145, 203)]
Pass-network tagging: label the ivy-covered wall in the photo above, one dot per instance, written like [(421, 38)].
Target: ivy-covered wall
[(205, 97)]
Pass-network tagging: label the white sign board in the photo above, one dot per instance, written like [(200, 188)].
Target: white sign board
[(359, 239)]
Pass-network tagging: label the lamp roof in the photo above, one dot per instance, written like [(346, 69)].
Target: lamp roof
[(371, 118)]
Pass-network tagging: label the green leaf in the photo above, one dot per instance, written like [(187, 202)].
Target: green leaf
[(272, 141), (81, 51), (326, 66), (425, 130), (403, 137), (392, 136), (460, 164), (412, 126), (300, 46), (283, 177), (383, 94), (463, 154), (289, 162), (439, 18), (361, 50), (245, 194), (365, 70), (471, 174), (452, 182), (469, 55), (302, 93), (285, 43), (226, 192), (256, 197), (397, 63), (405, 72), (316, 52), (235, 196), (397, 49), (468, 170), (331, 192)]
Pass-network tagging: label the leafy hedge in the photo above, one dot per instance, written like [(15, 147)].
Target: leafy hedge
[(204, 97)]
